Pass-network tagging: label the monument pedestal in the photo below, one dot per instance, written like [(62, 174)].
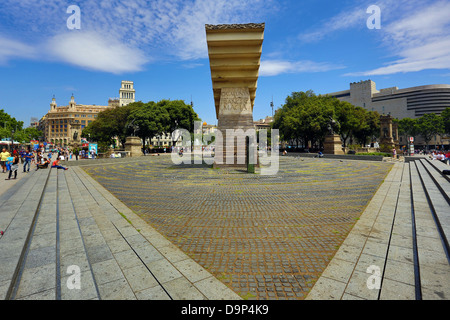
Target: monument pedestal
[(133, 145), (386, 138), (235, 124), (333, 144)]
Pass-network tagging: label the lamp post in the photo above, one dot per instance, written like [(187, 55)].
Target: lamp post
[(12, 140)]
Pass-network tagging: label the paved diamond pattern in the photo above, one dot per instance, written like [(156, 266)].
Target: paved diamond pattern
[(266, 237)]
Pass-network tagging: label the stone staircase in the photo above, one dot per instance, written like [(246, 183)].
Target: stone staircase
[(67, 238), (399, 249)]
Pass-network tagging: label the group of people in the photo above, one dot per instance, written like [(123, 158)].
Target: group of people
[(441, 156), (9, 161)]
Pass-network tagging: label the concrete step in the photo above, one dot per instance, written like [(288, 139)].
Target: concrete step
[(439, 179), (438, 203), (19, 210), (440, 167), (433, 266)]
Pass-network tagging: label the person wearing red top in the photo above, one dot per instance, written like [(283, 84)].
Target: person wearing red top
[(56, 165)]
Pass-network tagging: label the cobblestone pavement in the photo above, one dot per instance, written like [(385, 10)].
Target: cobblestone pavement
[(265, 237)]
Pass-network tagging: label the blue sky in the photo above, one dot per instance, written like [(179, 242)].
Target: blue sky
[(161, 45)]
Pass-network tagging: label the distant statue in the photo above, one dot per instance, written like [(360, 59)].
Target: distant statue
[(134, 127), (331, 126), (385, 132), (75, 135)]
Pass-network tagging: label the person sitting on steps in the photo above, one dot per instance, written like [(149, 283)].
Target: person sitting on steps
[(56, 165)]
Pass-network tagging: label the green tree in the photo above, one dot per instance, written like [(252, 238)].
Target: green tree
[(24, 136), (430, 125), (181, 115), (111, 124), (446, 120), (347, 118), (150, 120), (368, 125), (407, 127), (305, 116), (9, 124)]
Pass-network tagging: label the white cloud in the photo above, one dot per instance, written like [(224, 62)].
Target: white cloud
[(420, 39), (93, 51), (122, 36), (10, 49), (277, 67)]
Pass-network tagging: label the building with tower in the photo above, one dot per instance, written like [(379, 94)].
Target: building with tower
[(127, 94), (63, 125)]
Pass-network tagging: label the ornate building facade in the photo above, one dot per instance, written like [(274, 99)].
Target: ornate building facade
[(62, 125)]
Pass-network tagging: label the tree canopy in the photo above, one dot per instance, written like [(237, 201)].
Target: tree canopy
[(309, 118), (145, 120)]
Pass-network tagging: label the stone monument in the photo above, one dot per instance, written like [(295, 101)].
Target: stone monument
[(386, 139), (332, 143), (235, 55), (133, 146)]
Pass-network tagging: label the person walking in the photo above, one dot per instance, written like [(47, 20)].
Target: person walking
[(27, 160), (4, 155), (14, 166)]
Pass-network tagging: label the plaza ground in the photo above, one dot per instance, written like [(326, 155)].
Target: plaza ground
[(265, 237), (143, 228)]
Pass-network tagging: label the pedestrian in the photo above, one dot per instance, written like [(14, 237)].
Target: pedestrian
[(394, 153), (28, 157), (22, 155), (14, 166), (4, 155)]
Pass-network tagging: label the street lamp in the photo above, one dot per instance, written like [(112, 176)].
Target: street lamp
[(12, 139)]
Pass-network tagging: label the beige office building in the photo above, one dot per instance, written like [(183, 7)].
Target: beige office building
[(411, 102)]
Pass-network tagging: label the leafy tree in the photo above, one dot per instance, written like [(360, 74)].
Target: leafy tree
[(181, 115), (111, 124), (430, 125), (346, 116), (8, 124), (368, 125), (150, 120), (24, 136), (305, 116), (407, 127), (446, 120)]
